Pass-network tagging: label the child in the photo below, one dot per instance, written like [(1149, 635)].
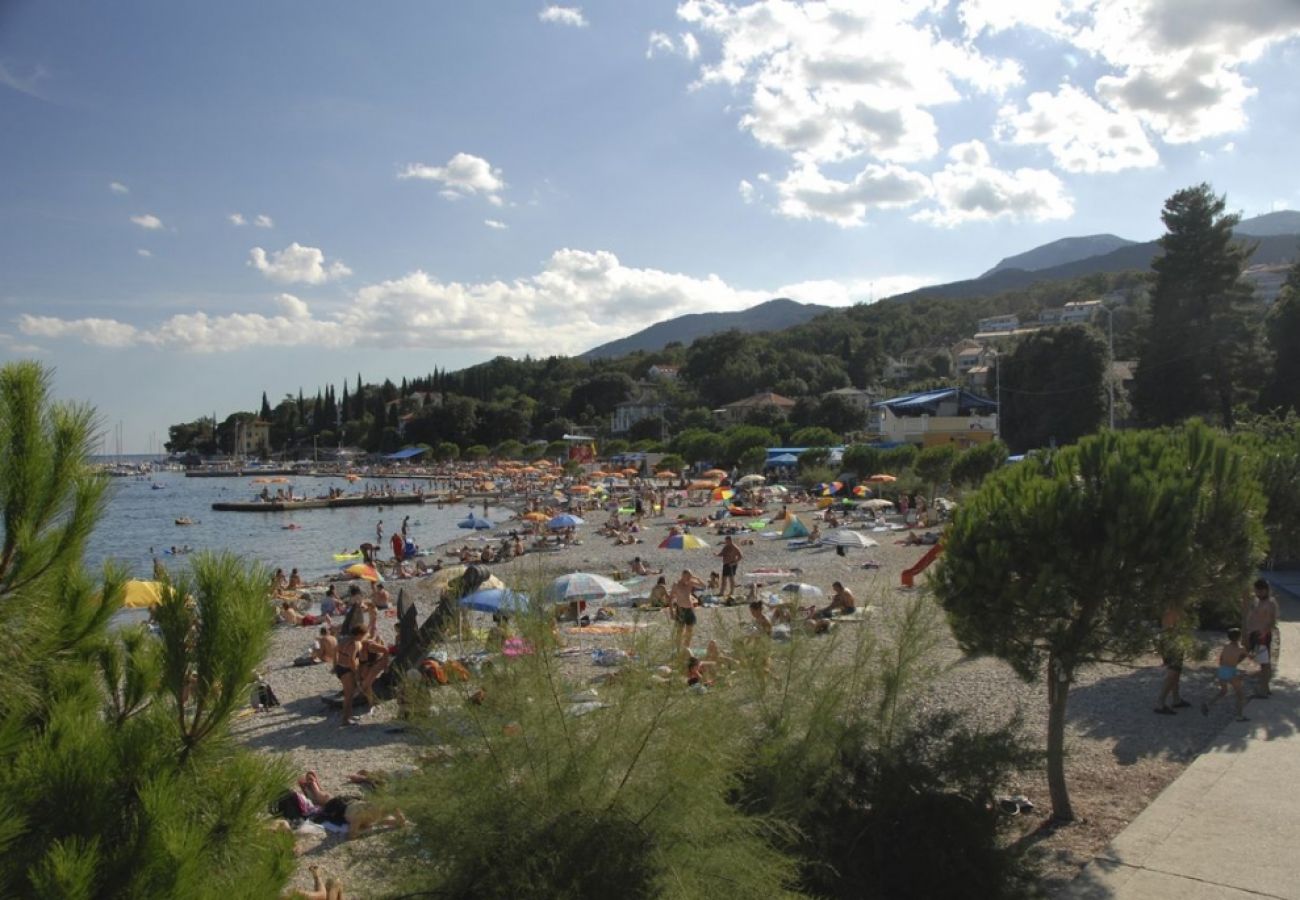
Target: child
[(1230, 656)]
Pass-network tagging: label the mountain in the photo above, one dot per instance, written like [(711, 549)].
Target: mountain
[(1278, 249), (1284, 221), (774, 315), (1058, 253)]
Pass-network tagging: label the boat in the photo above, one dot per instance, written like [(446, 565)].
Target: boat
[(341, 557), (185, 520), (157, 487)]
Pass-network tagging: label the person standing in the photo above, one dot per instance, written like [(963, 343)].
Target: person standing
[(379, 533), (1261, 622), (681, 600), (406, 522), (731, 557), (1171, 654)]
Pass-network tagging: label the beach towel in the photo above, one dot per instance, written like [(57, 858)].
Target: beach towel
[(601, 629)]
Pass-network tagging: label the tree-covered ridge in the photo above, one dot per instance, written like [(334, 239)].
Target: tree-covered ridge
[(507, 399)]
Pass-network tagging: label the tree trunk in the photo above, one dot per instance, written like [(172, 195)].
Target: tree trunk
[(1058, 691)]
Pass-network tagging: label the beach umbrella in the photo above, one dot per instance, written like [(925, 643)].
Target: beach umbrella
[(878, 503), (141, 594), (723, 493), (882, 478), (785, 459), (580, 489), (666, 473), (364, 571), (701, 486), (831, 488), (495, 600), (599, 473), (801, 590), (751, 479), (714, 473), (777, 489), (682, 542), (535, 517), (861, 490), (583, 586), (631, 471), (565, 520), (843, 537), (475, 523)]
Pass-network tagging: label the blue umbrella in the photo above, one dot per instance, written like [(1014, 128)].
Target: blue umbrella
[(584, 586), (474, 523), (495, 600), (565, 520)]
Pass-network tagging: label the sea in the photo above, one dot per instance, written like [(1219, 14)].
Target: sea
[(139, 523)]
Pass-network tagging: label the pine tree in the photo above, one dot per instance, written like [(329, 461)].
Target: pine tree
[(265, 413), (1282, 391), (95, 799), (1199, 355)]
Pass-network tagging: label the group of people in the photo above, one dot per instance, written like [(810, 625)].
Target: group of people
[(1260, 616)]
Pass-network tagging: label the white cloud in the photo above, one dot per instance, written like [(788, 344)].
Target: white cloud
[(1176, 63), (237, 219), (495, 223), (806, 193), (970, 188), (564, 15), (1081, 134), (748, 192), (577, 300), (830, 292), (12, 345), (464, 174), (118, 187), (661, 44), (297, 263), (143, 252), (836, 80), (264, 221), (148, 221)]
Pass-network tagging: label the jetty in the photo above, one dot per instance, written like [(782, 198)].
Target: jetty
[(280, 505)]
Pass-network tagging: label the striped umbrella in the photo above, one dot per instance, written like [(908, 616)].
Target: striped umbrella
[(682, 542)]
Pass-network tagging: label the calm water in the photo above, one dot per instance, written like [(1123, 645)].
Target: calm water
[(140, 518)]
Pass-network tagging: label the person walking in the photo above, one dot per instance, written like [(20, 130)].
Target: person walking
[(1261, 623), (681, 600)]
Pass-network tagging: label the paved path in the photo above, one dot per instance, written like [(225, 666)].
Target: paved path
[(1227, 828)]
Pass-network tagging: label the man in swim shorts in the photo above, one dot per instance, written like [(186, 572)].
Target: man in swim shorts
[(1261, 622), (681, 600)]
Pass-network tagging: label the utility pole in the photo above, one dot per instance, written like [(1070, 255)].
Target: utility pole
[(997, 428)]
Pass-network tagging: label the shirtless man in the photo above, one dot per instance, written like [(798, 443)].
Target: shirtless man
[(731, 557), (842, 599), (1172, 656), (681, 601), (1261, 620), (327, 647)]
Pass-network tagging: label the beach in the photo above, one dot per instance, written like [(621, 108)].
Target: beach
[(1120, 755)]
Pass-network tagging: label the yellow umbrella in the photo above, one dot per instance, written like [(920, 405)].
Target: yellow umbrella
[(364, 571), (142, 594), (536, 517)]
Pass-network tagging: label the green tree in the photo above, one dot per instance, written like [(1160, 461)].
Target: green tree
[(978, 462), (934, 466), (1200, 354), (814, 436), (671, 462), (862, 460), (116, 772), (446, 451), (1053, 388), (1065, 559), (1282, 391), (476, 452), (740, 438)]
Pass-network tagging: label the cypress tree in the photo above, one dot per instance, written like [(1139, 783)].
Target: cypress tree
[(1282, 392), (265, 413)]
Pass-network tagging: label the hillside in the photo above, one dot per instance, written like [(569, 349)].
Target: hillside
[(774, 315), (1282, 222), (1058, 253), (1271, 250)]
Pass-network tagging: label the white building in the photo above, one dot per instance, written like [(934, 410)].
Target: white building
[(999, 323)]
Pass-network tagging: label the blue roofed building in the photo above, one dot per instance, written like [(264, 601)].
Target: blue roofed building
[(946, 415)]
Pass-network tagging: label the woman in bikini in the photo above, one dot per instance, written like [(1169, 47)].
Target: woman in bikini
[(346, 661)]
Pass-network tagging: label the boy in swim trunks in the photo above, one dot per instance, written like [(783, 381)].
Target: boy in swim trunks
[(1230, 657)]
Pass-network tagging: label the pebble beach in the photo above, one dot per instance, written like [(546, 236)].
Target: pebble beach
[(1120, 754)]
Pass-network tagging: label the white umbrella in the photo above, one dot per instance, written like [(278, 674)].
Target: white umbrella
[(842, 537), (752, 479), (584, 586), (801, 590), (876, 504)]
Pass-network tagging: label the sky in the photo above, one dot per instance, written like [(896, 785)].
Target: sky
[(202, 201)]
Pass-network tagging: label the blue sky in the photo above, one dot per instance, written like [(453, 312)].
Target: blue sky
[(202, 201)]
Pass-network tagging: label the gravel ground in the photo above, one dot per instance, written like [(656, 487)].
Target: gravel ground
[(1120, 753)]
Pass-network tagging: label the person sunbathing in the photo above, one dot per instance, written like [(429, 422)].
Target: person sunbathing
[(330, 889), (640, 568)]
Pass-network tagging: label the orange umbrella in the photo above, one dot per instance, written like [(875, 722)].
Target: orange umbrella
[(714, 473), (536, 517), (630, 471), (580, 489), (666, 473), (599, 473), (882, 478), (701, 486)]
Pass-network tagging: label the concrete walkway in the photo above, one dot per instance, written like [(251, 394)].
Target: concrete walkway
[(1227, 828)]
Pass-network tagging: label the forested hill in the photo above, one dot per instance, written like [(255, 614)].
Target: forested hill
[(774, 315)]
